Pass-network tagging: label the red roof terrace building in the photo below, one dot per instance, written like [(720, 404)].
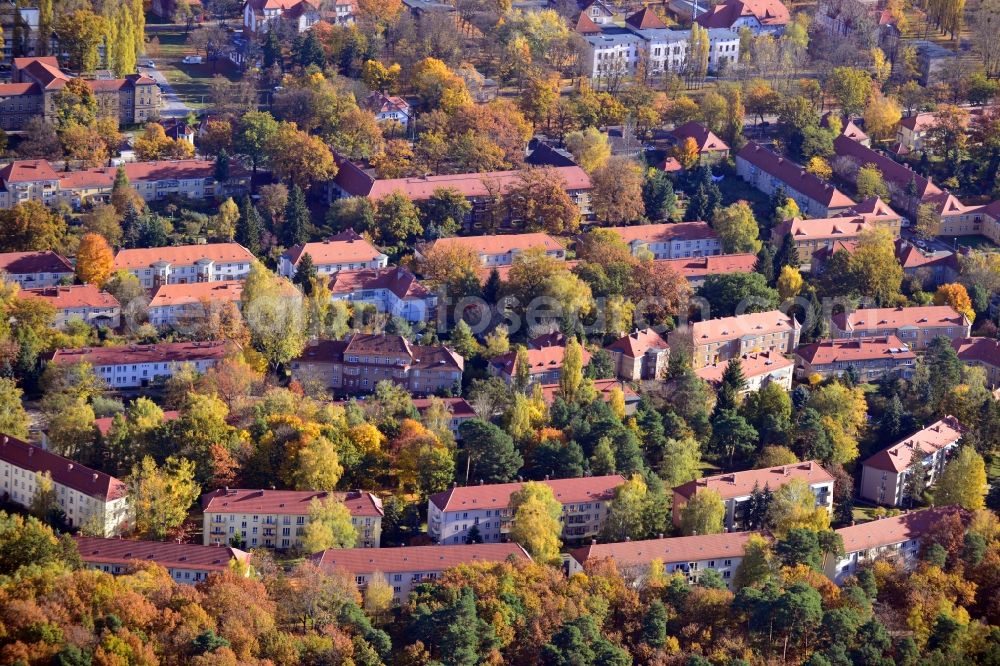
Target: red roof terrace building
[(711, 149), (915, 326), (677, 240), (182, 304), (604, 388), (759, 369), (499, 250), (696, 269), (394, 291), (143, 366), (187, 564), (760, 16), (186, 264), (715, 341), (83, 301), (44, 268), (907, 188), (544, 365), (982, 352), (871, 358)]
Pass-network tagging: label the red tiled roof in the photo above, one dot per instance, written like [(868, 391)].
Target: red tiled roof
[(541, 360), (415, 558), (347, 247), (165, 352), (667, 551), (724, 15), (421, 356), (104, 424), (925, 316), (645, 19), (741, 484), (63, 470), (706, 140), (604, 387), (757, 363), (183, 255), (15, 89), (730, 328), (921, 122), (981, 350), (586, 26), (98, 178), (637, 343), (794, 176), (43, 69), (24, 263), (712, 264), (167, 554), (847, 126), (286, 502), (76, 296), (933, 438), (176, 170), (873, 209), (888, 531), (821, 228), (670, 165), (27, 171), (466, 184), (500, 244), (854, 350), (947, 204), (912, 257), (459, 407), (497, 495), (224, 291), (661, 233), (378, 102), (399, 281), (825, 253), (891, 170)]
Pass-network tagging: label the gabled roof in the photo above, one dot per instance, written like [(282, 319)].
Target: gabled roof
[(637, 343), (27, 171), (168, 554), (666, 232), (347, 247), (540, 360), (822, 228), (183, 255), (459, 407), (496, 244), (924, 316), (585, 26), (706, 140), (712, 264), (399, 281), (892, 171), (64, 471), (911, 257), (741, 484), (732, 328), (667, 551), (164, 352), (26, 263), (223, 291), (497, 495), (378, 102), (855, 350), (725, 15), (933, 438), (545, 155), (754, 364), (415, 559), (286, 502), (899, 529), (604, 388), (947, 204), (794, 176), (76, 296), (848, 127), (645, 19), (978, 350), (874, 209)]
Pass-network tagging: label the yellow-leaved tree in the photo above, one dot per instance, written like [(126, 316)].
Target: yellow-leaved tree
[(329, 526), (956, 296), (94, 260), (536, 521)]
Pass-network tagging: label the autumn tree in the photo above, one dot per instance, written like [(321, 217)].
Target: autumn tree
[(963, 481), (703, 514), (617, 191), (572, 370), (537, 525), (80, 33), (13, 418), (851, 87), (160, 496), (253, 135), (881, 116), (272, 309), (928, 223), (957, 297), (539, 201), (737, 228), (31, 225), (329, 526), (590, 148), (438, 87), (299, 158), (870, 183), (94, 260), (789, 283), (793, 505), (874, 268)]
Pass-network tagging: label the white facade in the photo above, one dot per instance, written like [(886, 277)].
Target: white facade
[(614, 53), (287, 269), (412, 308), (838, 569), (138, 375), (277, 530), (203, 270)]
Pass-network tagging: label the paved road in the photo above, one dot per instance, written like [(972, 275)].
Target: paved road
[(173, 106)]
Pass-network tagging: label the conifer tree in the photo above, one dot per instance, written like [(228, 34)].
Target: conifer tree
[(787, 255), (733, 382), (765, 264), (250, 226), (305, 273), (295, 229)]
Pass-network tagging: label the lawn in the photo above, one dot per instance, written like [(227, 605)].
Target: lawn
[(974, 242), (190, 82)]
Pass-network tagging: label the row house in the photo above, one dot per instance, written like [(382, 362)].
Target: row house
[(717, 340), (359, 362), (499, 250), (452, 515), (871, 358), (916, 326), (183, 304), (897, 540), (759, 370), (640, 355), (186, 563), (767, 171), (459, 411), (759, 16), (671, 240), (346, 251), (983, 353), (544, 365), (605, 389), (87, 497), (43, 268), (186, 264), (912, 132), (907, 188), (696, 269), (885, 476), (689, 556), (406, 568), (394, 291), (955, 218), (811, 236), (736, 488), (278, 518), (143, 366), (84, 302)]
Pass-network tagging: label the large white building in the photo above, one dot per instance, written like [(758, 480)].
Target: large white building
[(395, 291), (89, 498), (346, 251), (278, 518), (186, 264), (81, 301), (35, 269), (671, 240), (187, 563), (140, 366), (451, 515), (178, 304)]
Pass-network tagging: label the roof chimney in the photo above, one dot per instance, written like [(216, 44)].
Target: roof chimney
[(95, 476)]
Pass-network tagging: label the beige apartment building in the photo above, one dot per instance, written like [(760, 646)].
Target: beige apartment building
[(671, 240), (82, 301), (715, 341), (187, 563), (915, 327), (759, 370), (871, 358), (186, 264), (640, 355), (278, 518), (981, 352)]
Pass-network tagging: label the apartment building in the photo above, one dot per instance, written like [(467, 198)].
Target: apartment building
[(83, 301), (895, 539), (809, 236), (907, 188), (499, 250), (735, 489), (388, 107), (453, 514), (143, 366), (759, 369), (278, 518), (915, 326), (406, 568), (759, 16), (955, 218), (347, 250), (187, 563), (544, 364), (689, 556), (604, 388), (394, 291), (982, 352), (766, 170), (640, 355), (871, 358), (359, 362), (671, 240), (260, 16), (179, 304), (186, 264), (886, 475), (87, 497), (932, 268), (459, 409), (912, 132), (696, 269), (44, 268), (716, 341)]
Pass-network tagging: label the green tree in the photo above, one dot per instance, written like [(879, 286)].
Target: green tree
[(273, 313), (305, 273), (658, 196), (255, 131), (602, 462), (444, 212), (787, 255), (249, 227), (851, 87), (329, 526), (732, 436), (572, 370), (397, 220), (490, 452), (681, 461), (13, 417), (654, 625), (732, 385), (737, 228), (727, 291), (625, 511), (160, 496), (794, 506), (297, 220), (870, 182), (963, 481), (703, 514), (537, 526), (757, 565)]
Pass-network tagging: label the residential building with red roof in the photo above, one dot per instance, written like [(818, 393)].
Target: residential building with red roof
[(499, 250), (388, 107), (86, 496), (717, 340), (82, 301), (395, 291), (43, 268), (872, 358), (885, 476), (142, 366), (187, 563), (260, 16), (544, 365), (759, 369), (810, 236), (452, 514), (605, 389), (912, 131), (696, 269), (459, 411), (907, 188), (931, 268), (766, 170), (736, 488), (848, 127), (179, 304), (347, 250), (104, 423), (983, 353), (640, 355), (278, 518), (711, 149), (359, 362), (760, 16), (406, 568), (686, 555), (897, 539), (186, 264), (915, 326), (955, 218), (821, 256), (670, 240)]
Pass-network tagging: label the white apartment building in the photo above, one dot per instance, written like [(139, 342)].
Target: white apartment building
[(406, 568), (500, 250), (344, 251), (82, 301), (141, 366), (187, 563), (395, 291), (689, 555), (885, 475), (173, 304), (735, 489), (671, 240), (186, 264), (278, 518), (35, 269), (87, 497), (451, 515), (759, 370)]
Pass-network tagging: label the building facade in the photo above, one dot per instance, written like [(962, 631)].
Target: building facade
[(187, 563), (671, 240), (759, 370), (981, 352), (186, 264), (347, 250), (916, 327), (394, 291), (871, 358), (544, 365), (715, 341), (144, 366), (640, 355), (83, 301), (35, 269), (499, 250), (187, 304), (767, 171)]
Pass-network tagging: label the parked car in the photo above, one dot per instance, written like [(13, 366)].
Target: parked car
[(192, 60), (149, 63)]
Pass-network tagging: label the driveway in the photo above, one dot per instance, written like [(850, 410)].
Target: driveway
[(173, 106)]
